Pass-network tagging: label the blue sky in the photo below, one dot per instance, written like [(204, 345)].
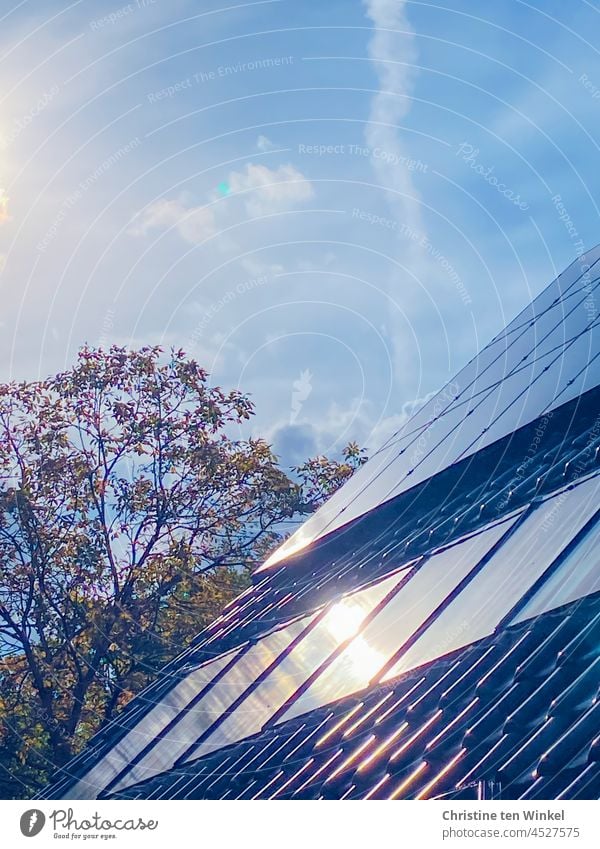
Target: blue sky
[(330, 205)]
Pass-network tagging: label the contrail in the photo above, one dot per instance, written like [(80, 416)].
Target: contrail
[(392, 50)]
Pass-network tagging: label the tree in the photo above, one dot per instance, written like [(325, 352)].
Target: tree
[(321, 476), (129, 515)]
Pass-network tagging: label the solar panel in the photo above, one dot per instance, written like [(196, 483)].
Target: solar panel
[(190, 724), (548, 355), (576, 577), (340, 622), (407, 610), (148, 728), (506, 577)]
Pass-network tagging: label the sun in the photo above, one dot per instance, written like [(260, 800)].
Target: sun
[(4, 216), (344, 620)]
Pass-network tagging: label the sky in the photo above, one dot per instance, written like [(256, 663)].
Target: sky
[(331, 206)]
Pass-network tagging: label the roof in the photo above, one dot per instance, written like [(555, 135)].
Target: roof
[(514, 715), (433, 630)]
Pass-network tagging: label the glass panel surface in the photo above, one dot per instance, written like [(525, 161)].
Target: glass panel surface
[(336, 509), (468, 427), (368, 652), (525, 396), (576, 577), (563, 319), (573, 277), (341, 622), (511, 571), (585, 378), (514, 385), (197, 719), (464, 417), (501, 358), (164, 712)]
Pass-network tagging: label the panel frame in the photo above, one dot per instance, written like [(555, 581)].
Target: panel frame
[(187, 756), (511, 520), (518, 517), (526, 512), (506, 621), (238, 654)]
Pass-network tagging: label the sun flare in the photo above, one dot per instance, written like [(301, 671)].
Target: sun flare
[(4, 216)]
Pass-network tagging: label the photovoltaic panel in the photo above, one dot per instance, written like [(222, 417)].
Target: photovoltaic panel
[(547, 356), (341, 622), (577, 576), (370, 650), (148, 728), (506, 577), (191, 723)]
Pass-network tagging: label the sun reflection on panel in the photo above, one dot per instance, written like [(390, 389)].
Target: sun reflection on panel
[(344, 619), (363, 658)]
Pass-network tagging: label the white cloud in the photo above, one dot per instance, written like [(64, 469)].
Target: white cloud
[(393, 54), (318, 263), (256, 267), (193, 223), (263, 143), (270, 190), (264, 191), (389, 426), (337, 425), (358, 421), (392, 49)]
